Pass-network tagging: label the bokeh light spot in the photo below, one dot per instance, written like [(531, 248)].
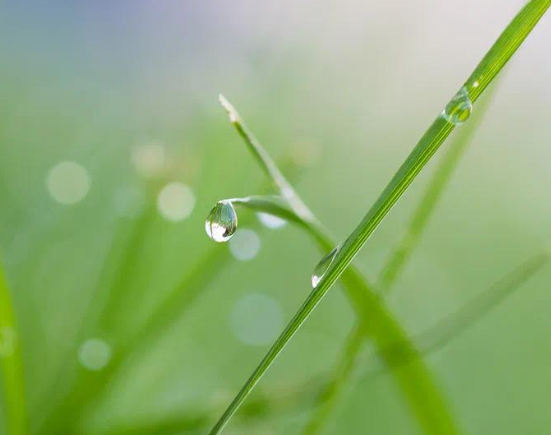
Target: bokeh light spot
[(256, 319), (245, 245), (94, 354), (271, 221), (68, 182), (175, 202), (149, 159)]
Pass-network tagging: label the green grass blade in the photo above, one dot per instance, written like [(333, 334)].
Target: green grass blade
[(452, 326), (469, 314), (396, 262), (492, 63), (267, 164), (11, 365), (415, 381), (429, 200), (327, 400), (307, 394)]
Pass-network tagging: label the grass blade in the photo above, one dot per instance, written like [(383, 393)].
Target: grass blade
[(429, 340), (429, 200), (495, 59), (396, 262), (415, 381), (11, 365)]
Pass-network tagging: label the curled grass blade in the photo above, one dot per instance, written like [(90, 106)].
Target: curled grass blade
[(485, 72), (11, 365), (415, 380)]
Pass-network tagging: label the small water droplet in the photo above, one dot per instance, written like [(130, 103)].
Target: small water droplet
[(323, 265), (459, 108), (221, 222)]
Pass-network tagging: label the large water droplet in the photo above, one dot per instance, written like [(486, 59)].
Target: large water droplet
[(323, 265), (459, 108), (221, 222)]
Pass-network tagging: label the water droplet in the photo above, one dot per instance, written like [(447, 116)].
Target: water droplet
[(459, 108), (7, 342), (221, 222), (94, 354), (271, 221), (323, 265)]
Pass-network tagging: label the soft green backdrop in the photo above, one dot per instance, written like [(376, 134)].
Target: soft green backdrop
[(345, 89)]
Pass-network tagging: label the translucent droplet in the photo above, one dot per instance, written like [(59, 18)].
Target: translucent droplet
[(94, 354), (221, 222), (323, 265), (459, 108)]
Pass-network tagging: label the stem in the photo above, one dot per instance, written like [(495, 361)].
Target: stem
[(11, 364)]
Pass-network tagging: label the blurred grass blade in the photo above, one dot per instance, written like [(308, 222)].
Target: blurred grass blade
[(90, 385), (430, 340), (491, 64), (415, 380), (452, 326), (399, 258), (11, 365), (327, 400), (468, 315), (429, 200)]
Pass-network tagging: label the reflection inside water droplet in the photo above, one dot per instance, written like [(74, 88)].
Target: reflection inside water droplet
[(459, 109), (323, 265), (221, 222)]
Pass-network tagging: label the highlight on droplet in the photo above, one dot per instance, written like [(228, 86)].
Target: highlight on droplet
[(221, 222), (68, 182), (459, 109), (175, 201), (94, 354), (323, 265)]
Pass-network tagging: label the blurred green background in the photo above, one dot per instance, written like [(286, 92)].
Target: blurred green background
[(110, 127)]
